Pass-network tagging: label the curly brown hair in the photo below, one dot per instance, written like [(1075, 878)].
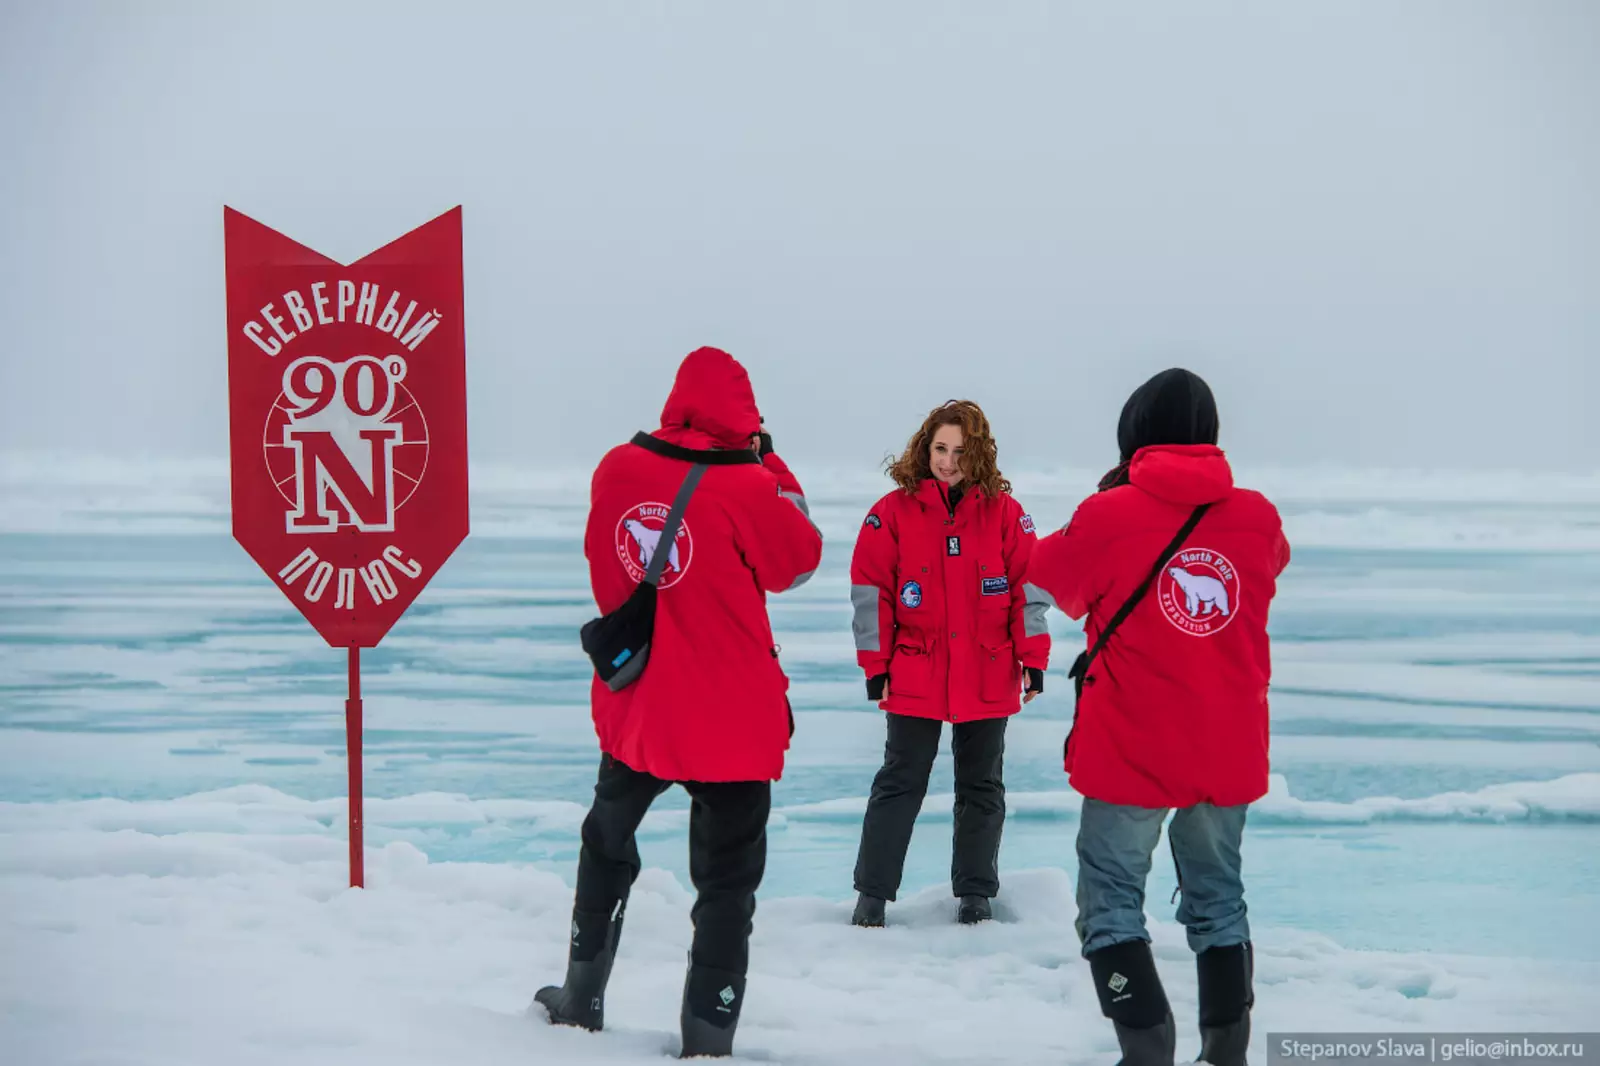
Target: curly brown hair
[(978, 455)]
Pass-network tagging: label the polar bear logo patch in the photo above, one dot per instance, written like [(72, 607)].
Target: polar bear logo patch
[(647, 540), (1199, 591), (638, 538), (1202, 594)]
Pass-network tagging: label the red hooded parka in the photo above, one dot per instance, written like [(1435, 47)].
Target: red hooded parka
[(1174, 708), (711, 704), (940, 605)]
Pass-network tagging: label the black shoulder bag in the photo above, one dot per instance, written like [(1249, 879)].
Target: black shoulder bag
[(1080, 666), (619, 643)]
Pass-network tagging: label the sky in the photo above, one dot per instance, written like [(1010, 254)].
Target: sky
[(1374, 227)]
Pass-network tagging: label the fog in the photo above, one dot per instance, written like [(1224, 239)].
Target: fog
[(1373, 227)]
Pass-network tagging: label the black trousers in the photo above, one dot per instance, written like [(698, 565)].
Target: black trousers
[(727, 854), (898, 791)]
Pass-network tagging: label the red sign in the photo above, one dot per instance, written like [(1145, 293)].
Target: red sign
[(347, 407)]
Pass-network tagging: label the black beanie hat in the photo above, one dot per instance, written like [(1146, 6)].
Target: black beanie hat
[(1174, 407)]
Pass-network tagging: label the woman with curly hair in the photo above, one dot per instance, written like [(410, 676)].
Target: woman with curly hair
[(946, 633)]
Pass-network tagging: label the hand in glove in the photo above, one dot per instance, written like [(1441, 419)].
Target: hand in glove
[(1035, 685)]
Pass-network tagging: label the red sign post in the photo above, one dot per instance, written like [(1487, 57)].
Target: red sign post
[(347, 408)]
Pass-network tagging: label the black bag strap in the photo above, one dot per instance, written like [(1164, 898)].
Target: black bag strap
[(669, 532), (1144, 587)]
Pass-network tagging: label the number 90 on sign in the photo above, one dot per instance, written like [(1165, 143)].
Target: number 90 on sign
[(363, 385)]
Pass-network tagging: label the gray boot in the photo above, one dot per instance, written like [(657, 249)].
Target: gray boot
[(1225, 1045), (712, 1000), (1131, 995), (1226, 976), (1155, 1046), (580, 999), (869, 912)]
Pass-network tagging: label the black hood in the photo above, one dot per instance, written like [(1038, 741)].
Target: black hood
[(1174, 407)]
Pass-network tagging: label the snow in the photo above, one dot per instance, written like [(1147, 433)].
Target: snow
[(1575, 797), (218, 928), (259, 809), (172, 855)]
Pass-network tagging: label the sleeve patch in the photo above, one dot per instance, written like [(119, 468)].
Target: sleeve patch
[(1027, 524), (874, 521)]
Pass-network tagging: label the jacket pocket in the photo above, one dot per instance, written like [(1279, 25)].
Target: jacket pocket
[(910, 671), (999, 673), (994, 606)]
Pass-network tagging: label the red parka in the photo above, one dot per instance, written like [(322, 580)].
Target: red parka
[(1174, 709), (940, 605), (711, 704)]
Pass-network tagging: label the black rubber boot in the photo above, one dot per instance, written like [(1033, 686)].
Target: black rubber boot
[(1131, 995), (1225, 1045), (974, 909), (712, 1000), (580, 1000), (1226, 996), (869, 912), (1156, 1045)]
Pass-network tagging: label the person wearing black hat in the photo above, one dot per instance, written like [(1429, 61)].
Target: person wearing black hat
[(1175, 569)]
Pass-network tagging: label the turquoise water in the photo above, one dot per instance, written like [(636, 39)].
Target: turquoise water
[(150, 667)]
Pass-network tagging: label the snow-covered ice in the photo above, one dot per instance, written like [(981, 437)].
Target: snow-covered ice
[(172, 851), (220, 930)]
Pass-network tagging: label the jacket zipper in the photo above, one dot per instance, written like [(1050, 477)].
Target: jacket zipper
[(950, 520), (950, 508)]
